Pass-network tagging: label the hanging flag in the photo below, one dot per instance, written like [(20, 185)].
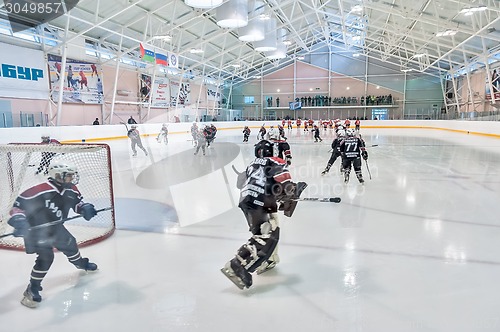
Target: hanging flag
[(147, 55), (161, 59)]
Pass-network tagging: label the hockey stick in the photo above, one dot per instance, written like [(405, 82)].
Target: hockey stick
[(56, 222), (235, 170), (318, 199), (123, 123), (368, 169)]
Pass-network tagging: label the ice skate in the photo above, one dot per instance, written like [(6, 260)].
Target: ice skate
[(241, 278), (84, 264), (32, 297), (327, 169), (134, 154), (346, 177)]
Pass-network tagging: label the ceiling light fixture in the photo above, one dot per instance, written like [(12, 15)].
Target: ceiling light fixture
[(280, 52), (419, 55), (357, 9), (470, 11), (163, 37), (232, 14), (445, 33), (255, 30), (268, 44), (196, 51), (204, 4)]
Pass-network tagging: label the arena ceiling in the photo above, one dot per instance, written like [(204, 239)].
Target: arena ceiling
[(427, 36)]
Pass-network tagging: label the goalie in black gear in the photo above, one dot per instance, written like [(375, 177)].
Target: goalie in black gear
[(41, 205), (352, 149), (265, 184)]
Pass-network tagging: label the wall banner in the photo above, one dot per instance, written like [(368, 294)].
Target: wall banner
[(213, 94), (161, 91), (82, 81), (180, 92), (23, 73), (495, 82)]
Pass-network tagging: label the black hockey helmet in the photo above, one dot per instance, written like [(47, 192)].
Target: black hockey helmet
[(264, 149)]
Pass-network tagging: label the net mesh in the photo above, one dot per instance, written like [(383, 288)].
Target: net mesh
[(27, 165)]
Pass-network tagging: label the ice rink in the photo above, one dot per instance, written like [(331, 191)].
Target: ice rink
[(417, 248)]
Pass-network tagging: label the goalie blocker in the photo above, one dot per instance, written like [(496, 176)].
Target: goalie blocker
[(289, 201)]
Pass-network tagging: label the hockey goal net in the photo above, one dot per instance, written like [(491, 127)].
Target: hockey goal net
[(26, 165)]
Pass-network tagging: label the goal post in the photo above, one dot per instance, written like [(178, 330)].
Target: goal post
[(26, 165)]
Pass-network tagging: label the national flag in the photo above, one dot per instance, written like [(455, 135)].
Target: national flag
[(147, 55), (161, 59)]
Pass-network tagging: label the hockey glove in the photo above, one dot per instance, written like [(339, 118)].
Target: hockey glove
[(364, 154), (20, 224), (88, 211)]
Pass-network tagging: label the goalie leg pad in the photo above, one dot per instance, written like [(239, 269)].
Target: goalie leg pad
[(263, 248), (270, 263)]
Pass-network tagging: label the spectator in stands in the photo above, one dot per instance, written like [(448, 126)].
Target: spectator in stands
[(131, 120), (96, 122)]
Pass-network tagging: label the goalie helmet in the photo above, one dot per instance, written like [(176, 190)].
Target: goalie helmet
[(350, 132), (264, 149), (60, 170)]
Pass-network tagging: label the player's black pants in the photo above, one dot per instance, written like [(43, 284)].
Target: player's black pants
[(333, 157), (42, 242)]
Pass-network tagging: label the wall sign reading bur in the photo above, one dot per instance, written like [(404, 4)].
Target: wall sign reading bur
[(25, 14)]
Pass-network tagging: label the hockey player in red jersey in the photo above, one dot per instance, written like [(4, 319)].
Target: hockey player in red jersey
[(265, 183), (262, 132), (246, 133), (35, 217)]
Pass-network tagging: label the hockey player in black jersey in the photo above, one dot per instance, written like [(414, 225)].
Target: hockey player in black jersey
[(335, 151), (46, 156), (352, 149), (316, 134), (265, 183), (34, 216)]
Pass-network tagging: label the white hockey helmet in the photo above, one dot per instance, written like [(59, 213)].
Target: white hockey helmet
[(341, 133), (350, 132), (60, 170)]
